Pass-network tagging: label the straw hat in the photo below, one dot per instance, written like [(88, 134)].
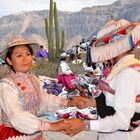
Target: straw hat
[(17, 41)]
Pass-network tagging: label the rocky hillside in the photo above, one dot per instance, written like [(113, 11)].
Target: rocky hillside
[(76, 25)]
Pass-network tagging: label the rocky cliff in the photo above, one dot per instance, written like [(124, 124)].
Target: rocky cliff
[(77, 25)]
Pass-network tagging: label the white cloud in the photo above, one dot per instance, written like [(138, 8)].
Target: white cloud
[(13, 6)]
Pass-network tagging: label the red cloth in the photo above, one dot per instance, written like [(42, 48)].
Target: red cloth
[(6, 132)]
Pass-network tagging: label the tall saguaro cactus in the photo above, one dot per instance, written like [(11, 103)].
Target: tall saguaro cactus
[(51, 26), (47, 33), (47, 27), (57, 37), (51, 38), (62, 40)]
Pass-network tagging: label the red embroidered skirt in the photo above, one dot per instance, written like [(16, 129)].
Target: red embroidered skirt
[(6, 132)]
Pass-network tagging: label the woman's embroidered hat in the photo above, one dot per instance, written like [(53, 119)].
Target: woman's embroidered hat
[(115, 43), (17, 41)]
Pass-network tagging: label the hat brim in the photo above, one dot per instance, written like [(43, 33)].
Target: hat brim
[(114, 49)]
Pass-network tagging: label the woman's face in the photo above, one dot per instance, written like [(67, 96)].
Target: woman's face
[(21, 59)]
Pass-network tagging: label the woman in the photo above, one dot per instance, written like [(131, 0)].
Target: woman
[(65, 74), (22, 97)]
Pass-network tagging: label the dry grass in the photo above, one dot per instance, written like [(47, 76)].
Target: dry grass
[(43, 67), (76, 68)]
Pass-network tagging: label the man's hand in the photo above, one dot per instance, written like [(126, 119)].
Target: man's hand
[(82, 102), (75, 126)]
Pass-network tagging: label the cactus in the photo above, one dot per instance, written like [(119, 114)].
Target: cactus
[(51, 39), (57, 37), (62, 40), (46, 25), (53, 51), (47, 33)]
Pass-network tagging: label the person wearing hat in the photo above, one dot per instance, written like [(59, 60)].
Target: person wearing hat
[(22, 96), (65, 74), (124, 84)]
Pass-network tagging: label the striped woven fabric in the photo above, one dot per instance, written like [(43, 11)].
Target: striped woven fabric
[(113, 49), (110, 26)]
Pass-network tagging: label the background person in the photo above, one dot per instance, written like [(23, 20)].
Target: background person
[(42, 53), (65, 74)]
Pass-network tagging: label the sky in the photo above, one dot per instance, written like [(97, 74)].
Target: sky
[(15, 6)]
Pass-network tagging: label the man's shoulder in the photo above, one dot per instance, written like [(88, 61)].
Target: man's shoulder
[(129, 73)]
